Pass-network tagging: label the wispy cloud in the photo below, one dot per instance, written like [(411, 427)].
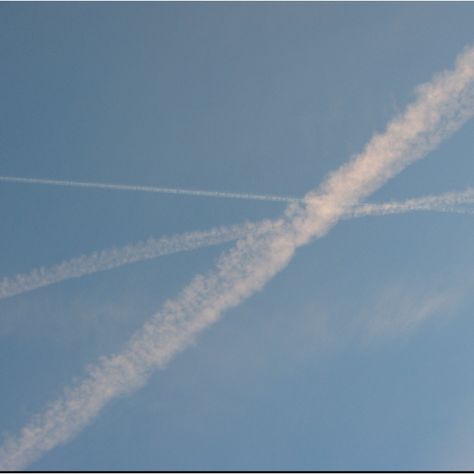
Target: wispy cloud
[(400, 310), (442, 106)]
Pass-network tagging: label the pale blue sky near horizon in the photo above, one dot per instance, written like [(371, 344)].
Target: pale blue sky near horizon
[(240, 97)]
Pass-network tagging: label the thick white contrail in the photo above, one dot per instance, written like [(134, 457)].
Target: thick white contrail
[(149, 189), (153, 248), (442, 106)]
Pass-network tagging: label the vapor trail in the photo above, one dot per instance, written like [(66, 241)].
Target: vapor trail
[(442, 107), (117, 257), (446, 202), (154, 248), (149, 189)]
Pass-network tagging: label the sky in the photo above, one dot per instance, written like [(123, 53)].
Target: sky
[(357, 354)]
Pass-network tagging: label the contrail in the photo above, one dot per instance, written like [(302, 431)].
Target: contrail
[(441, 108), (117, 257), (447, 199), (446, 202), (154, 248), (149, 189)]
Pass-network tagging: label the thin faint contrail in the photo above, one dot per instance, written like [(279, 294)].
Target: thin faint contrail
[(447, 199), (446, 202), (154, 248), (441, 108), (148, 189)]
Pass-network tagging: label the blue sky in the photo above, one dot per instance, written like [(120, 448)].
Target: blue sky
[(356, 356)]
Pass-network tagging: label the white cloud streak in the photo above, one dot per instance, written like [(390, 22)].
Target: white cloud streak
[(442, 106), (154, 248), (400, 309)]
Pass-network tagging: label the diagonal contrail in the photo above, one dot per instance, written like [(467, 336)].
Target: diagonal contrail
[(154, 248), (117, 257), (441, 108), (149, 189)]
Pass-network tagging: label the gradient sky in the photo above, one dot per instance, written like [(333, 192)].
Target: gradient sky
[(358, 354)]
